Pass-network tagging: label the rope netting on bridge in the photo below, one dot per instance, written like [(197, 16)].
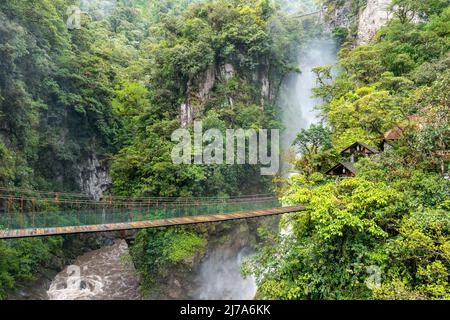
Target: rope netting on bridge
[(23, 209)]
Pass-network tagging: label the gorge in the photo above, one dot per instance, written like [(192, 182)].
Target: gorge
[(90, 112)]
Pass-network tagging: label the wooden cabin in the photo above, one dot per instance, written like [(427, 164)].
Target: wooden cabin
[(342, 169), (389, 136), (396, 132), (445, 154), (358, 149), (352, 153)]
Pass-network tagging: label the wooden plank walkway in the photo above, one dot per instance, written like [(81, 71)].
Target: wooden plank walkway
[(39, 232)]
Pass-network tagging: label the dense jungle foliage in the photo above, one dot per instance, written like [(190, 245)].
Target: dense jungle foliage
[(113, 87), (384, 234)]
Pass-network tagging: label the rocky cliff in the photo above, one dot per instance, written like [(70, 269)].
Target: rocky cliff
[(200, 88), (361, 18), (371, 18), (93, 177)]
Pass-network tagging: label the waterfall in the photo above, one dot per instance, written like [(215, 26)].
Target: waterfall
[(297, 101), (220, 278), (299, 105)]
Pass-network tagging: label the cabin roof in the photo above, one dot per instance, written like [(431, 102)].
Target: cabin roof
[(393, 134), (362, 144), (443, 153), (347, 165), (396, 132)]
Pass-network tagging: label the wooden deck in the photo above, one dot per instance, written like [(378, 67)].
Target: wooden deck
[(23, 233)]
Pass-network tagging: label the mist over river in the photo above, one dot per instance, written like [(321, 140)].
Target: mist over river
[(220, 277)]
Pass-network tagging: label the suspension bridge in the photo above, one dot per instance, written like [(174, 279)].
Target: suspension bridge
[(32, 214)]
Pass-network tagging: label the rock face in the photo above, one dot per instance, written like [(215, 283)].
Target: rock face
[(93, 177), (366, 20), (197, 93), (265, 86), (339, 17), (373, 17), (227, 71), (198, 89), (185, 114), (207, 83)]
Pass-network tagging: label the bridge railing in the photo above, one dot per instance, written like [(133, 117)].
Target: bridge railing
[(22, 211)]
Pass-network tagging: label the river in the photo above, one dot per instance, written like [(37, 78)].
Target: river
[(103, 274), (108, 274)]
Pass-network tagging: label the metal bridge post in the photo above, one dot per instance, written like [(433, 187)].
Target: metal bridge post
[(157, 203), (122, 210), (45, 211), (10, 213), (130, 210), (111, 208), (21, 209), (56, 200), (33, 201), (104, 210), (79, 204)]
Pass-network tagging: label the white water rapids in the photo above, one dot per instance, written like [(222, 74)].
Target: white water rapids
[(103, 274), (107, 274)]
